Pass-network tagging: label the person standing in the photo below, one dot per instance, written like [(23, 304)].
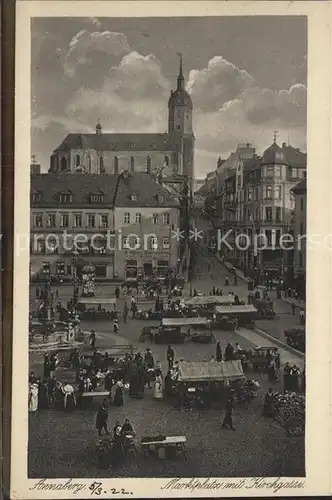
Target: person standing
[(102, 418), (117, 291), (218, 352), (116, 326), (53, 364), (228, 421), (93, 339), (33, 397), (229, 351), (47, 370), (170, 357), (293, 308), (125, 313), (118, 396)]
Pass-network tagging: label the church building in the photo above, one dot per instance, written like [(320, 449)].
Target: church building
[(168, 154)]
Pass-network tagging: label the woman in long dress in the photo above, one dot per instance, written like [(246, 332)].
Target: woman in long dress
[(158, 388), (118, 397), (33, 397)]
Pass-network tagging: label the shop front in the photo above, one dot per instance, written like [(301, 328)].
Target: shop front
[(131, 270)]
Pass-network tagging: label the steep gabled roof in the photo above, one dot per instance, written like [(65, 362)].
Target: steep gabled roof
[(81, 186), (122, 142)]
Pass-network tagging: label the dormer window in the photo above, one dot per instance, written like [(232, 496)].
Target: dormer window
[(133, 197), (160, 198), (66, 197), (96, 198), (36, 197)]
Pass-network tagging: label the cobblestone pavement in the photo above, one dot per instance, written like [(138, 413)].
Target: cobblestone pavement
[(210, 272), (62, 445)]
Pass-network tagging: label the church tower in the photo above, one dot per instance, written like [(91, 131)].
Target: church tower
[(180, 107), (180, 121)]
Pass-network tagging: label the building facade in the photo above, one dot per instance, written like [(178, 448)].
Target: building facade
[(170, 153), (256, 199), (120, 224), (300, 231)]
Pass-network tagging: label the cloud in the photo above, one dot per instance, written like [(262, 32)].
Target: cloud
[(132, 95), (138, 76), (220, 82), (286, 106), (84, 44)]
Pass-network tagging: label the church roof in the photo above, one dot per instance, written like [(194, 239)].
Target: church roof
[(122, 142), (149, 193)]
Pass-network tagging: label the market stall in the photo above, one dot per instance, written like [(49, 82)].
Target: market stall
[(242, 315), (97, 308), (200, 383), (176, 330)]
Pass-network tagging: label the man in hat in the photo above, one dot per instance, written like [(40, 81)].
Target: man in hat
[(228, 421), (102, 417)]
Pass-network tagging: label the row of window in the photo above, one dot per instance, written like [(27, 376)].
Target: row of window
[(50, 220), (93, 220), (275, 171), (101, 165), (267, 215), (270, 192), (129, 218), (52, 246), (66, 198)]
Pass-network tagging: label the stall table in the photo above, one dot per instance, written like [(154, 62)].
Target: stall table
[(177, 442)]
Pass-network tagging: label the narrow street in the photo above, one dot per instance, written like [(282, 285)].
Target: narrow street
[(208, 271)]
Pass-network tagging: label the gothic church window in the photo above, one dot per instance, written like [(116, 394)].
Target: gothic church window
[(132, 164), (116, 165), (89, 164), (63, 164), (148, 165), (101, 165)]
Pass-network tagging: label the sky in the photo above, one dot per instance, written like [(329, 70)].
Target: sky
[(247, 77)]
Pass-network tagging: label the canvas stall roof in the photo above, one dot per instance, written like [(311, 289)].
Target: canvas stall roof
[(93, 301), (204, 371), (235, 309), (211, 299), (184, 321)]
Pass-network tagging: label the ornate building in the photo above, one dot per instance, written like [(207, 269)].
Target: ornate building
[(170, 154)]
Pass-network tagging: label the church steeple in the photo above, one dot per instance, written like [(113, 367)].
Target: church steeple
[(98, 128), (181, 81)]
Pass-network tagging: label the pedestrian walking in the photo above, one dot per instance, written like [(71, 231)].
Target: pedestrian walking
[(125, 313), (116, 326), (293, 308), (228, 421), (93, 339), (170, 357), (218, 352), (102, 418)]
